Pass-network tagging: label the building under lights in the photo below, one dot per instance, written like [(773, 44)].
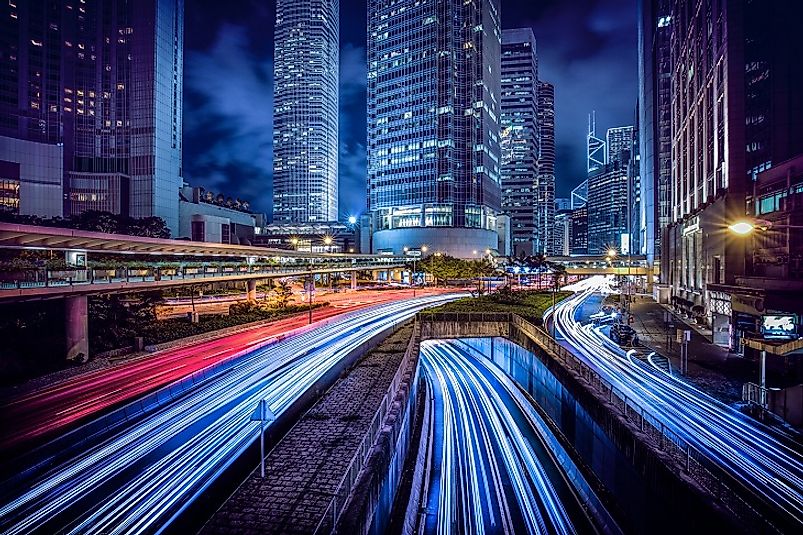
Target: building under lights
[(100, 87), (305, 111), (433, 125)]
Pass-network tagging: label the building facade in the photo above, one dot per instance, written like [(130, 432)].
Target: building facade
[(545, 213), (519, 137), (596, 153), (608, 209), (655, 123), (736, 113), (578, 231), (305, 111), (103, 81), (433, 124), (562, 232), (206, 217), (619, 142)]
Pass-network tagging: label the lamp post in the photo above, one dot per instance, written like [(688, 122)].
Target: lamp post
[(412, 275)]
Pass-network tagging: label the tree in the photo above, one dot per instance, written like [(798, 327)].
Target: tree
[(283, 292), (149, 227)]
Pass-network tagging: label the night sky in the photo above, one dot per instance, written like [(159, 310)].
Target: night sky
[(587, 48)]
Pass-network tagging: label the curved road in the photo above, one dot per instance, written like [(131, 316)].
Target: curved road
[(138, 480), (761, 458), (492, 465)]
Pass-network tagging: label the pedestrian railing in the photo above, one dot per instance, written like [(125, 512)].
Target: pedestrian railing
[(344, 489), (697, 464), (753, 393)]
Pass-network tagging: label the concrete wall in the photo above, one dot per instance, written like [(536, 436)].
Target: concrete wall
[(458, 242)]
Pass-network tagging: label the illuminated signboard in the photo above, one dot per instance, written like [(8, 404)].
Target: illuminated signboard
[(779, 326)]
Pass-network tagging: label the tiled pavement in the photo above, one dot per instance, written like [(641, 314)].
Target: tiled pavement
[(306, 466)]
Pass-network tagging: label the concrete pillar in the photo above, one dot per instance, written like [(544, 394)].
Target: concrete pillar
[(252, 290), (353, 280), (76, 329)]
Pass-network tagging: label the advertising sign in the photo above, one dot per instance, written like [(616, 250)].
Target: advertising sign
[(779, 326)]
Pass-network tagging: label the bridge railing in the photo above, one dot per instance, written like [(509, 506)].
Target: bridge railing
[(42, 278)]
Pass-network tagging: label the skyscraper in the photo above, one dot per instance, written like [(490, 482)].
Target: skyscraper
[(545, 203), (608, 208), (619, 139), (305, 111), (655, 123), (433, 124), (104, 82), (595, 147), (520, 140)]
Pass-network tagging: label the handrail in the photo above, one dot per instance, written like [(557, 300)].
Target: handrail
[(355, 466)]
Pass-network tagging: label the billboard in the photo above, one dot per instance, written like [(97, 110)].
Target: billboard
[(779, 326)]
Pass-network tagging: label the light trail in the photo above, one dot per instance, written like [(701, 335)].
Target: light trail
[(756, 455), (492, 468), (140, 479), (29, 418)]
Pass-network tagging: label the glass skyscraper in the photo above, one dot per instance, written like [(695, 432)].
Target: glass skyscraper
[(103, 80), (545, 194), (305, 111), (433, 124)]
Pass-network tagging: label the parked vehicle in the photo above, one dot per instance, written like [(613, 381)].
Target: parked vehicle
[(624, 335)]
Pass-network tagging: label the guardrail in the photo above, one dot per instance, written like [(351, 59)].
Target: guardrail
[(48, 278), (706, 472), (753, 393), (346, 486)]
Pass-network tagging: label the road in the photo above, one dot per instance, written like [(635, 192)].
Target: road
[(762, 459), (31, 418), (140, 478), (494, 467)]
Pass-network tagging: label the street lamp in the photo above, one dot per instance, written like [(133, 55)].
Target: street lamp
[(744, 227), (412, 275)]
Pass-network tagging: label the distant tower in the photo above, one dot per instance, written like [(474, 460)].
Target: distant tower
[(619, 139), (595, 145), (305, 111), (545, 202)]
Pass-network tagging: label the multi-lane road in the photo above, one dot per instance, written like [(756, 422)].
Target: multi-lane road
[(494, 465), (761, 458), (31, 417), (139, 477)]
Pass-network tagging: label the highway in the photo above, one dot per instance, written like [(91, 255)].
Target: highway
[(140, 478), (759, 457), (34, 416), (494, 465)]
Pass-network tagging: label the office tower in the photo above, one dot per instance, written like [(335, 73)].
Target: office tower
[(655, 122), (562, 232), (545, 203), (562, 203), (579, 195), (305, 111), (619, 141), (608, 208), (103, 81), (736, 112), (634, 234), (519, 137), (595, 147), (433, 125), (578, 232)]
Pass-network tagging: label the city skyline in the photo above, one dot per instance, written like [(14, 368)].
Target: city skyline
[(228, 102)]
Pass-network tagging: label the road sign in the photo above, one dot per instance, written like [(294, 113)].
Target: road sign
[(263, 412)]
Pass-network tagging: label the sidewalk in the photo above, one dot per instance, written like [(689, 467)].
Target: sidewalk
[(713, 369)]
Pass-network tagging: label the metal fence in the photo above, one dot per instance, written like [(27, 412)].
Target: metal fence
[(346, 486), (699, 466)]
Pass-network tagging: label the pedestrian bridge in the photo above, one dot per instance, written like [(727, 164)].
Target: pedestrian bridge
[(604, 265), (100, 263)]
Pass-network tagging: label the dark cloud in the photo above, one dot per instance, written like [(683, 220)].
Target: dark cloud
[(352, 164), (227, 118)]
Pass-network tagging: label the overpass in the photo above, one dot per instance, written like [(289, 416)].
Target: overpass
[(589, 265), (100, 263)]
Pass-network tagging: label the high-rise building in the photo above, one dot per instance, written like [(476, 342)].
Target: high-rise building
[(305, 111), (102, 80), (596, 155), (545, 203), (520, 140), (579, 195), (433, 124), (562, 232), (655, 123), (619, 141), (562, 203), (578, 231), (634, 230), (736, 112), (608, 209)]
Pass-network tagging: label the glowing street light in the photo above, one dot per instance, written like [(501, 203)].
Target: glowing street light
[(742, 227), (352, 220), (327, 240), (611, 252)]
